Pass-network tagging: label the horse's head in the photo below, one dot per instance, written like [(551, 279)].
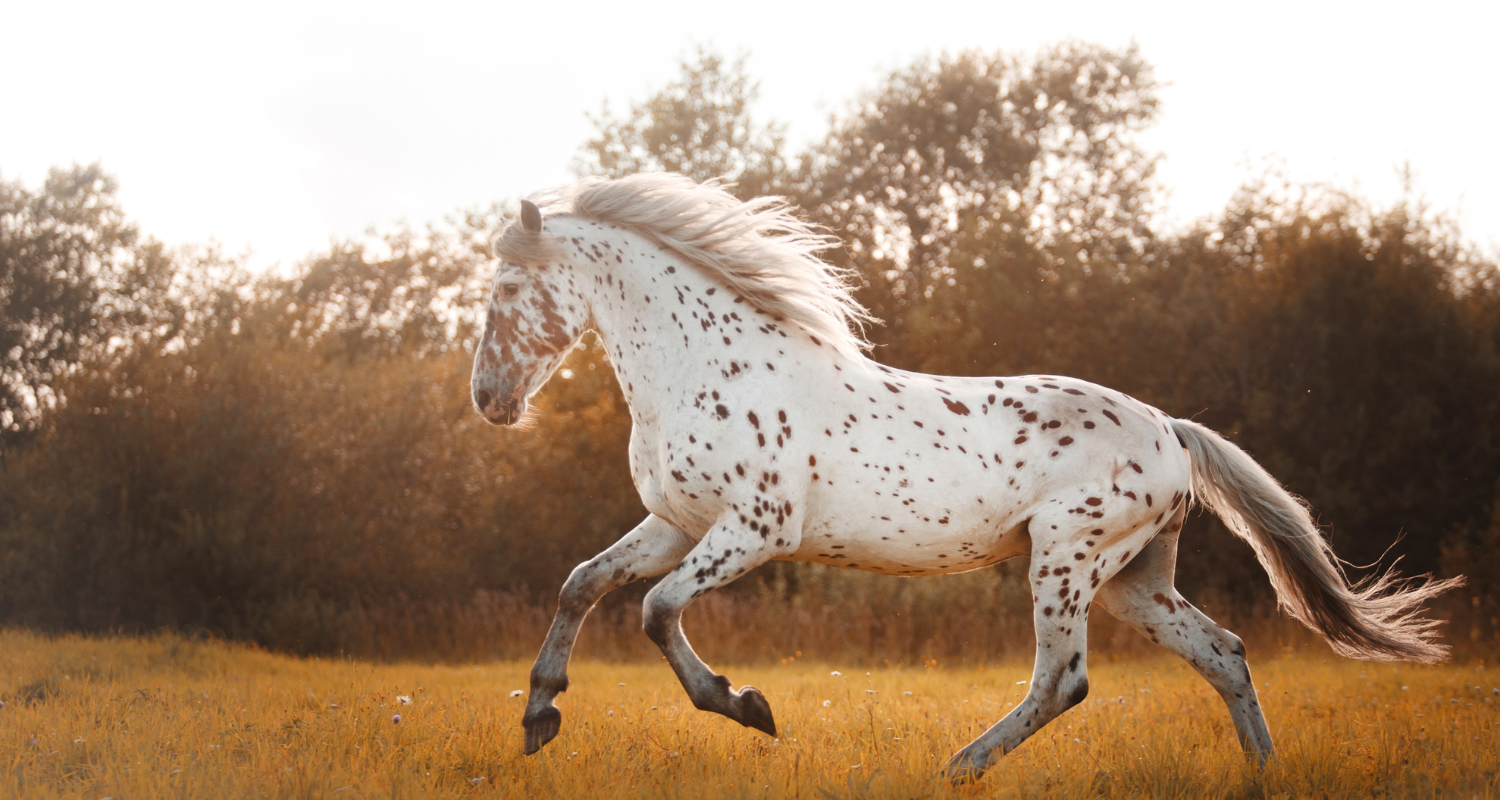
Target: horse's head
[(536, 314)]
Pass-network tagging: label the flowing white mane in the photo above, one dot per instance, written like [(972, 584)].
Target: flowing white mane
[(759, 248)]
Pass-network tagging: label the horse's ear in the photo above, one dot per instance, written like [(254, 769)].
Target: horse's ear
[(531, 217)]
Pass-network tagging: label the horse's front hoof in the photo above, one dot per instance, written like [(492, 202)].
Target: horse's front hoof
[(755, 712), (541, 728)]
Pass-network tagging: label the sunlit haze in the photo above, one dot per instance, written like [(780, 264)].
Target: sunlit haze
[(273, 128)]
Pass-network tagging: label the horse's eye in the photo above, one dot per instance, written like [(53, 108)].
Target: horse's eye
[(511, 289)]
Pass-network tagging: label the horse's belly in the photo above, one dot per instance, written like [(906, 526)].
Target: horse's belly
[(932, 546)]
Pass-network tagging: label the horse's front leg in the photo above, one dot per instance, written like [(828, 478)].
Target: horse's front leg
[(653, 547), (726, 552)]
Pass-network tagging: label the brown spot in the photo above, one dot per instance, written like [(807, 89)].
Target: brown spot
[(1165, 601), (1093, 501), (1065, 441), (812, 461), (893, 388), (956, 407), (1030, 416), (1112, 417), (754, 420)]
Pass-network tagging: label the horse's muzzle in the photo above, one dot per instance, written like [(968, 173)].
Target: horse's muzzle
[(499, 410)]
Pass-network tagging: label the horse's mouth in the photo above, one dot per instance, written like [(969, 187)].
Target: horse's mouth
[(503, 412)]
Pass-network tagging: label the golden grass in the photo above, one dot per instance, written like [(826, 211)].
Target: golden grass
[(168, 717)]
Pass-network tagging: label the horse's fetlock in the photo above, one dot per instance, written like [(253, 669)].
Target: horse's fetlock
[(548, 682)]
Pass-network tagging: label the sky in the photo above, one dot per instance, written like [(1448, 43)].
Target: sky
[(274, 128)]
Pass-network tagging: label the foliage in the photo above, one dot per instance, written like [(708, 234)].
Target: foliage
[(699, 125), (295, 461), (977, 147)]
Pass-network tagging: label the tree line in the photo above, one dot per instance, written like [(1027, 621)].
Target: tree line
[(293, 460)]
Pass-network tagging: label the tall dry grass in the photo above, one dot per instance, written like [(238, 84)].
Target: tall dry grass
[(168, 717)]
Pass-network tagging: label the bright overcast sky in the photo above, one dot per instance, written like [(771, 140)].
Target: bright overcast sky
[(274, 127)]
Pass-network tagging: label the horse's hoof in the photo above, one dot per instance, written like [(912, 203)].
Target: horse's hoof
[(541, 728), (755, 712), (962, 768)]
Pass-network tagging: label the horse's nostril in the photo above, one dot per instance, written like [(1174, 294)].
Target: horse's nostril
[(482, 399)]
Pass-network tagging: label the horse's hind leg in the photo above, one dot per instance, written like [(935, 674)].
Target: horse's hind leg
[(1142, 595), (1066, 570), (652, 548)]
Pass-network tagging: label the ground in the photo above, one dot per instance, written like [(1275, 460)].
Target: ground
[(164, 716)]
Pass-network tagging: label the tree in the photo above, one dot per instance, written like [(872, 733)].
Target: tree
[(70, 278), (957, 146), (699, 125)]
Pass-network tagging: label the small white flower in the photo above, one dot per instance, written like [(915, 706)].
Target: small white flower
[(79, 740), (1404, 688), (396, 719), (610, 713), (1020, 683), (622, 684), (872, 691), (908, 694), (836, 674), (403, 700), (827, 703), (477, 781), (516, 692)]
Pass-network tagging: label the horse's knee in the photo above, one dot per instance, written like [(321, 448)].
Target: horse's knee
[(657, 619)]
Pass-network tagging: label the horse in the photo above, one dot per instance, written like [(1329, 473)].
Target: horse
[(762, 431)]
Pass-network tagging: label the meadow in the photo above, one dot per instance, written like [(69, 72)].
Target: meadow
[(166, 716)]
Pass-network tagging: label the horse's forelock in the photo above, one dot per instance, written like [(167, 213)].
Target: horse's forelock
[(518, 246)]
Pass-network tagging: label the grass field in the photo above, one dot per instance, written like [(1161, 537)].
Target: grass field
[(167, 717)]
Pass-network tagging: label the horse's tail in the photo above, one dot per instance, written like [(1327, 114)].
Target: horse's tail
[(1372, 619)]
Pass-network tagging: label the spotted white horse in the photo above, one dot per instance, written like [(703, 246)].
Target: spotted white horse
[(762, 432)]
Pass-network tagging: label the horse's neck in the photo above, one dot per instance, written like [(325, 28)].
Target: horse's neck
[(670, 328)]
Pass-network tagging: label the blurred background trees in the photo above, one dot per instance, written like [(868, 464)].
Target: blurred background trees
[(293, 460)]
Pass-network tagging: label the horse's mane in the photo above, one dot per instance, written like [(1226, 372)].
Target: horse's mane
[(760, 249)]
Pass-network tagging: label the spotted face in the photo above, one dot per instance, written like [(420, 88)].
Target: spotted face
[(536, 314)]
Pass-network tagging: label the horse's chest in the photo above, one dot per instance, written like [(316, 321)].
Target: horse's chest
[(660, 479)]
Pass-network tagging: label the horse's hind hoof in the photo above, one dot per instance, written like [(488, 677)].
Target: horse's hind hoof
[(755, 712), (541, 728), (962, 769)]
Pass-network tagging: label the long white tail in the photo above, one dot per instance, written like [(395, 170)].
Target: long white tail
[(1373, 619)]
